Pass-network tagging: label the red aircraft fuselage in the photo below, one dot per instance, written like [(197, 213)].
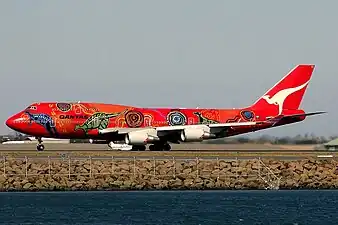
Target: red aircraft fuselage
[(78, 120)]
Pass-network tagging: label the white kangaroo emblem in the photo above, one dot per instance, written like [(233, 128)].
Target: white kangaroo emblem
[(279, 97)]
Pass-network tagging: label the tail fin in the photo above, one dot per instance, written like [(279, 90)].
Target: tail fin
[(288, 92)]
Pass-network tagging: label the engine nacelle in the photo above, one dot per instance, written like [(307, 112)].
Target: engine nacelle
[(195, 135), (139, 138)]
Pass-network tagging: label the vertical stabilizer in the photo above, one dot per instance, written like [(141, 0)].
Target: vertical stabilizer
[(288, 92)]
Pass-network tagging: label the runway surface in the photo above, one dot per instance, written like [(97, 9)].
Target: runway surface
[(175, 147), (179, 152)]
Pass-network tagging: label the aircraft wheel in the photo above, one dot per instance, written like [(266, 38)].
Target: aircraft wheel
[(139, 148), (155, 147), (142, 148), (160, 147), (166, 147), (40, 147)]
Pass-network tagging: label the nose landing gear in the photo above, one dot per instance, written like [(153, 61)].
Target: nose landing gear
[(40, 147)]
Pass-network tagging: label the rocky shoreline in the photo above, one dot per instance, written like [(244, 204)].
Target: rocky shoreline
[(139, 174)]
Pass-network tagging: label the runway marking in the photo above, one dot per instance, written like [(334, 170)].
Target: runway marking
[(325, 156)]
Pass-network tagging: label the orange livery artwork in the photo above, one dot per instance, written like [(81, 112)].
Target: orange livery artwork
[(138, 126)]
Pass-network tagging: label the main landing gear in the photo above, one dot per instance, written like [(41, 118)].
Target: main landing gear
[(160, 147), (138, 148), (40, 147), (153, 147)]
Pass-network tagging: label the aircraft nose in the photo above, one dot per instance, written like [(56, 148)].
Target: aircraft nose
[(10, 122), (13, 121)]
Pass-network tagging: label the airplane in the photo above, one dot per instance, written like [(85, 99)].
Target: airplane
[(159, 127)]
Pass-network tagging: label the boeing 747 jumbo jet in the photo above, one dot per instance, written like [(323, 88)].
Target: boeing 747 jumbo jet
[(137, 127)]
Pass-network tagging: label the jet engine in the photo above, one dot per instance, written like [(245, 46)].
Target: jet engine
[(139, 138), (195, 135)]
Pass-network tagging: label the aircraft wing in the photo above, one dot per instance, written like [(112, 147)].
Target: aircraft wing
[(215, 125), (118, 130), (175, 128)]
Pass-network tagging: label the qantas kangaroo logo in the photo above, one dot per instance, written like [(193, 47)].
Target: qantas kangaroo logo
[(279, 97)]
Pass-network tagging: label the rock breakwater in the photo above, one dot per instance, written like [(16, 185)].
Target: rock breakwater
[(136, 174)]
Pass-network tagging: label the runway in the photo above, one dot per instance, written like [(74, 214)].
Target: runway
[(179, 152), (175, 147), (177, 158)]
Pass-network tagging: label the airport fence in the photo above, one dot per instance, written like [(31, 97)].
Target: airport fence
[(174, 167)]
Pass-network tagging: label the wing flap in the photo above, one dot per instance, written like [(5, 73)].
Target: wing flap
[(215, 125), (118, 130), (232, 124)]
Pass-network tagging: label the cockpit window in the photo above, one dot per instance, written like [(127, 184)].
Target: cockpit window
[(31, 107)]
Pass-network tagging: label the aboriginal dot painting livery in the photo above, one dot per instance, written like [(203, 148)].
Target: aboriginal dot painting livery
[(139, 126)]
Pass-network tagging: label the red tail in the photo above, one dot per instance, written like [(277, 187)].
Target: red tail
[(288, 92)]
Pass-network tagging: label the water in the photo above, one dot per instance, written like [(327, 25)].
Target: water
[(171, 207)]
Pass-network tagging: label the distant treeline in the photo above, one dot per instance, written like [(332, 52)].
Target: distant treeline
[(264, 139)]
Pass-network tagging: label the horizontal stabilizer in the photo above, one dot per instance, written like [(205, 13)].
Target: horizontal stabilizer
[(307, 114), (280, 117)]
